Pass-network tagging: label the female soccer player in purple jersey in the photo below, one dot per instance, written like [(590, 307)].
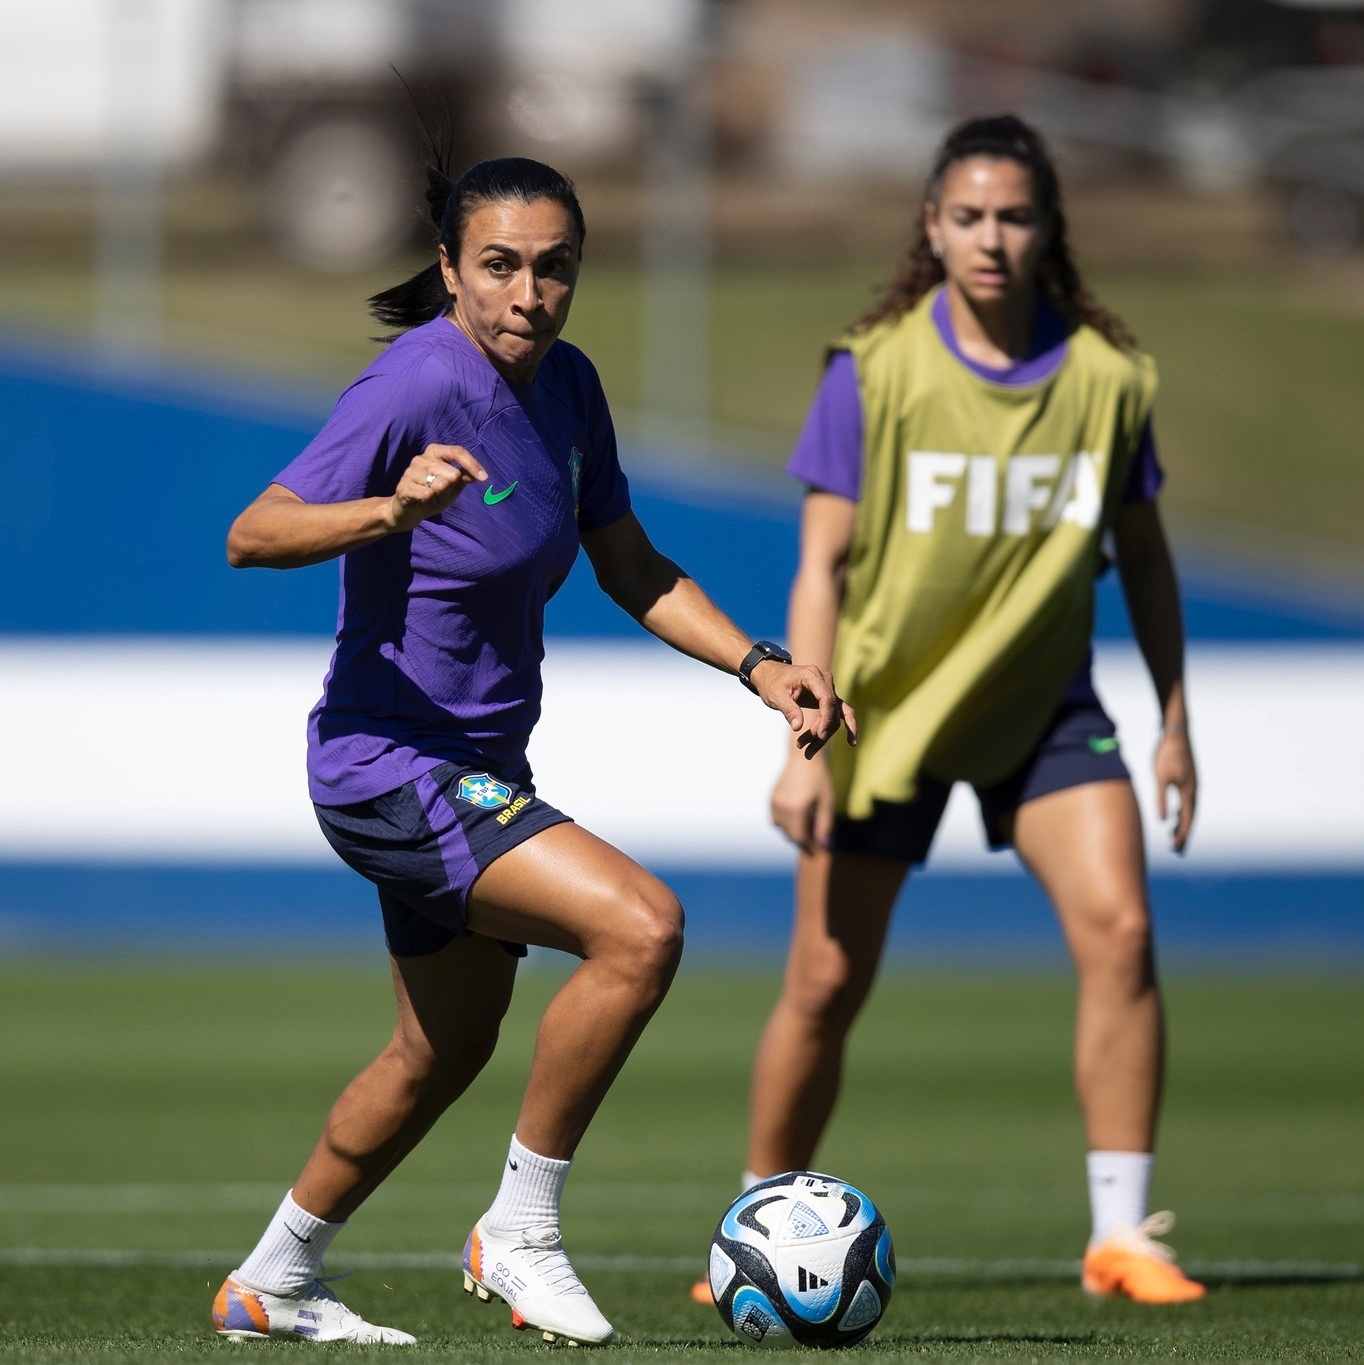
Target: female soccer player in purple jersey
[(456, 480), (974, 438)]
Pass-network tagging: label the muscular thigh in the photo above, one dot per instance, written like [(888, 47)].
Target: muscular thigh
[(1084, 845), (566, 889), (446, 996)]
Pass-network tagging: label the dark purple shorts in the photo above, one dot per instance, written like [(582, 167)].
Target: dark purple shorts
[(1080, 746), (425, 844)]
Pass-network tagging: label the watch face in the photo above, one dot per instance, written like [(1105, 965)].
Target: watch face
[(762, 651)]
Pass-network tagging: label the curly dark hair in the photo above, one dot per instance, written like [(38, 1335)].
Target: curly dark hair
[(918, 271)]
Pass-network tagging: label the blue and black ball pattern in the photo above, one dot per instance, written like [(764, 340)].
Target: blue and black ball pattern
[(802, 1259)]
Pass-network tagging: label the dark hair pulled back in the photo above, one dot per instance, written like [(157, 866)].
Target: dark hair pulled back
[(1007, 137), (424, 297)]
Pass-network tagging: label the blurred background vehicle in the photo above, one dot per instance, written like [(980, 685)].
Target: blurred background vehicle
[(317, 103)]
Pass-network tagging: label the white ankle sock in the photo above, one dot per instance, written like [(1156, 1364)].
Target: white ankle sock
[(289, 1255), (748, 1180), (532, 1186), (1118, 1185)]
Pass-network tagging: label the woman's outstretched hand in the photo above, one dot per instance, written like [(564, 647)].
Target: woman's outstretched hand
[(794, 690), (433, 480)]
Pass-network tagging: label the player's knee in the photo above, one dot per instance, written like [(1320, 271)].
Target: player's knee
[(1129, 933), (663, 932), (650, 938), (460, 1064), (439, 1074), (827, 988), (1120, 931)]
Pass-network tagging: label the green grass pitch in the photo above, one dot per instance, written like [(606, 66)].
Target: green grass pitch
[(151, 1118)]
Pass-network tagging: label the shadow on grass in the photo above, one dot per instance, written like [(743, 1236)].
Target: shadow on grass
[(884, 1341), (1214, 1278), (685, 1343), (904, 1340)]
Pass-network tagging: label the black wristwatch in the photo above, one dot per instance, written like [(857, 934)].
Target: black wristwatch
[(762, 649)]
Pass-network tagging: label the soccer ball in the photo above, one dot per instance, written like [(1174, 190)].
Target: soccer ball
[(802, 1259)]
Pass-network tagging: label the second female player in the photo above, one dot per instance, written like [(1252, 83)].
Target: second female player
[(975, 438)]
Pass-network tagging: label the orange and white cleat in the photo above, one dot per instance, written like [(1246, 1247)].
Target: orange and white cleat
[(1131, 1264), (313, 1314)]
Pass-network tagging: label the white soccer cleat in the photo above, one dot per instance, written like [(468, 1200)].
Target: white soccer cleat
[(530, 1272), (314, 1313)]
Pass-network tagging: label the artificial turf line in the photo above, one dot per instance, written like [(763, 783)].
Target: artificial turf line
[(1003, 1268), (136, 1197), (146, 1197)]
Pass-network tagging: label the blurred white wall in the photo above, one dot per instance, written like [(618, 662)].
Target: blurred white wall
[(75, 74), (182, 751)]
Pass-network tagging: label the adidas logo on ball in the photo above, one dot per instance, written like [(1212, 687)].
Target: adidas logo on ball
[(802, 1259)]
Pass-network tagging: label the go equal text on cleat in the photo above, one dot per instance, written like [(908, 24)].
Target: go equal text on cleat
[(529, 1271)]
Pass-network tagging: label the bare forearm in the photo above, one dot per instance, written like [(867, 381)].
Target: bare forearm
[(281, 531), (681, 615), (285, 533), (668, 604), (1152, 593), (671, 606), (812, 616)]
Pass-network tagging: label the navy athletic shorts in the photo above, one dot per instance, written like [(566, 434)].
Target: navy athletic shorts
[(425, 844), (1080, 746)]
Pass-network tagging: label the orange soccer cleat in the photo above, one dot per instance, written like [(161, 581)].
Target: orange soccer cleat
[(700, 1291), (1130, 1263)]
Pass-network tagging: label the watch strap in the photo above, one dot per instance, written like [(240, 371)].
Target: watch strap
[(762, 649)]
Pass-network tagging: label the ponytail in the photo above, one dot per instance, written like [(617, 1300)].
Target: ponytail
[(424, 297)]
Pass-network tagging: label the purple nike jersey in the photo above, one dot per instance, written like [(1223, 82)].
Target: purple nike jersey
[(828, 453), (440, 630)]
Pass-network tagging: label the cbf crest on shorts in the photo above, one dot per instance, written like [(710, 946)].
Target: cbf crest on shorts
[(483, 790)]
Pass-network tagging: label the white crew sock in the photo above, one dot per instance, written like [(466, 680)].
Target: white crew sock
[(748, 1180), (1118, 1185), (289, 1255), (531, 1188)]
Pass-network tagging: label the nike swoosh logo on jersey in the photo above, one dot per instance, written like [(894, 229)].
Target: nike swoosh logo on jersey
[(492, 499)]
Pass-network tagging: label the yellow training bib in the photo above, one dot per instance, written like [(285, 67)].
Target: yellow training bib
[(970, 594)]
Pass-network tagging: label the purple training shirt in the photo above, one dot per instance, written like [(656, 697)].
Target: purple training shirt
[(440, 630), (828, 453)]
